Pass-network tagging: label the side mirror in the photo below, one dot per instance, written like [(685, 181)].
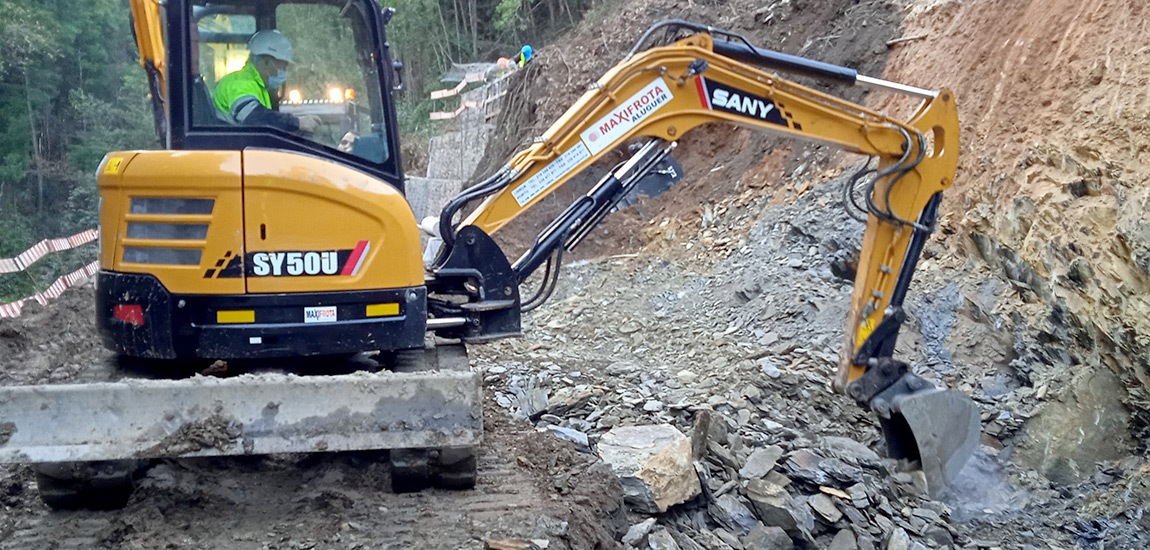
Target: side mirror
[(388, 13), (398, 67)]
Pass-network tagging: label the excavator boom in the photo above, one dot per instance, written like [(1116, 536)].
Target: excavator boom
[(148, 28), (658, 94)]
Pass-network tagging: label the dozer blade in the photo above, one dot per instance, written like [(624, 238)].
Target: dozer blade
[(945, 425), (249, 414)]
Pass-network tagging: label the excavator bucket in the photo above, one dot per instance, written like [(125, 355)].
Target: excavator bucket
[(248, 414), (940, 428)]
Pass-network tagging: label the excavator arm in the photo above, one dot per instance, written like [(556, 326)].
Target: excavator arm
[(148, 28), (660, 93)]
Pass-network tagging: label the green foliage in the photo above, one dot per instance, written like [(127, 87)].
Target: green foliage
[(26, 33), (12, 167), (106, 123), (70, 91), (507, 16), (429, 35), (414, 118), (14, 286), (40, 275), (323, 48)]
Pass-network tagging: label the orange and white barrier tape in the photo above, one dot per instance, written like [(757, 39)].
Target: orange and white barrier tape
[(43, 248), (53, 291)]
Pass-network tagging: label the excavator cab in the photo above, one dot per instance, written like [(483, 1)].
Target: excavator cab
[(340, 74), (335, 75), (258, 236)]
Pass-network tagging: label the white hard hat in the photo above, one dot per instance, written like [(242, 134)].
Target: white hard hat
[(272, 43)]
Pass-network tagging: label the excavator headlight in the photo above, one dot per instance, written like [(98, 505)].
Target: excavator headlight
[(336, 95), (294, 96)]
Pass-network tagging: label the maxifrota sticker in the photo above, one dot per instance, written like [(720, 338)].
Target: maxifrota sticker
[(609, 129)]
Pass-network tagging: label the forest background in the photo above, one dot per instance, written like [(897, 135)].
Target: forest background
[(71, 90)]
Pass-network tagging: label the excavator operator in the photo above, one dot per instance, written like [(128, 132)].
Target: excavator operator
[(243, 96)]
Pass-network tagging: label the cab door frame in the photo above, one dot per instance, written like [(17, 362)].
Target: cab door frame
[(183, 135)]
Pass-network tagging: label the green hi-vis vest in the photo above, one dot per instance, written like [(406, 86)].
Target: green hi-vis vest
[(244, 82)]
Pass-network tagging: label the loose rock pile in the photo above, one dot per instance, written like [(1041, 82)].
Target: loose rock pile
[(709, 363), (722, 427), (741, 480)]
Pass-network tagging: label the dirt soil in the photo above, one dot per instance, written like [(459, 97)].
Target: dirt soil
[(531, 485), (728, 294)]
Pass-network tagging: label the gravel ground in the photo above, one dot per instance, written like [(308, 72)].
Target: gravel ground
[(740, 322)]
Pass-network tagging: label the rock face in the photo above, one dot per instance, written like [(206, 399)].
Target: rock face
[(849, 450), (844, 540), (654, 465), (637, 532), (1084, 427), (825, 507), (662, 540), (732, 514)]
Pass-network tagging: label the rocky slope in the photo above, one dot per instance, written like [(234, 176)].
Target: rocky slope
[(728, 331), (1032, 295), (1049, 197), (1052, 194)]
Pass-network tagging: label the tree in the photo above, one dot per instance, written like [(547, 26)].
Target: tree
[(70, 90)]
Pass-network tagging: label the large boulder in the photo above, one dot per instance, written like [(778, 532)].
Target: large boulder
[(654, 465)]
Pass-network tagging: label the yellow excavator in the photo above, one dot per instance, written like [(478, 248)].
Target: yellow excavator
[(252, 242)]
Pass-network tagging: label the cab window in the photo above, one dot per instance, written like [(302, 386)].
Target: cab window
[(330, 97)]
